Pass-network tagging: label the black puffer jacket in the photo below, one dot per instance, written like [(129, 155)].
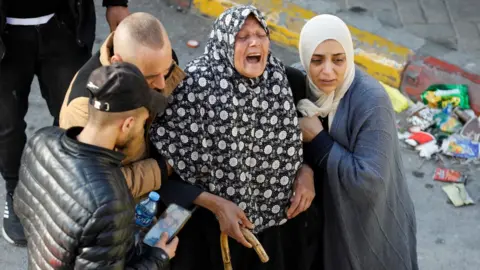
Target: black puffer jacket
[(76, 208), (79, 16)]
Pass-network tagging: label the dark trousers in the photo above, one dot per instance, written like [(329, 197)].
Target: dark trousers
[(291, 246), (49, 51)]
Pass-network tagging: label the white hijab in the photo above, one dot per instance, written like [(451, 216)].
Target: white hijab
[(317, 30)]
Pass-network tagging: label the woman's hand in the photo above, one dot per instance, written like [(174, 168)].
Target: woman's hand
[(304, 189), (230, 216), (231, 219), (311, 127)]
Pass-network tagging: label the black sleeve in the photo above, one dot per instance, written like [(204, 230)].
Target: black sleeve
[(297, 81), (162, 164), (2, 46), (111, 3), (316, 151), (177, 191), (146, 257)]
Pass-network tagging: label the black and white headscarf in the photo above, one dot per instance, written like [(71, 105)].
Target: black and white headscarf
[(236, 137)]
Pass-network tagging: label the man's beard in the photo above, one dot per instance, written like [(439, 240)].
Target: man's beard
[(121, 147)]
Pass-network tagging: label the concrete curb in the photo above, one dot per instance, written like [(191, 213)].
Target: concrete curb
[(421, 72), (375, 51), (380, 57)]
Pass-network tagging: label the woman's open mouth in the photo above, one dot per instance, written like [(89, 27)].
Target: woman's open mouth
[(254, 58), (328, 82)]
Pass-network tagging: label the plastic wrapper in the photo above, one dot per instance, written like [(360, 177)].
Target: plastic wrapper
[(422, 118), (457, 194), (427, 150), (399, 101), (448, 175), (440, 136), (440, 95), (457, 146), (420, 137), (446, 122)]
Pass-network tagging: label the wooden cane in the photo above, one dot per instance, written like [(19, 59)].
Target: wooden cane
[(227, 262), (262, 254)]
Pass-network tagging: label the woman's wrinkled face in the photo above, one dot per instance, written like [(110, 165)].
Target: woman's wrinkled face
[(251, 49), (328, 66)]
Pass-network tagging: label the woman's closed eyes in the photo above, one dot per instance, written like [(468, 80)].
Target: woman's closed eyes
[(244, 37)]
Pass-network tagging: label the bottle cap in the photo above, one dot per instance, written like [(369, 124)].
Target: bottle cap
[(154, 196)]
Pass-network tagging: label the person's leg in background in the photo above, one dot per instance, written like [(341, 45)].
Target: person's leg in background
[(16, 74), (59, 58), (51, 52)]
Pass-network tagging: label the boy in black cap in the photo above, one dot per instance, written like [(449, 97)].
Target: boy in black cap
[(72, 198)]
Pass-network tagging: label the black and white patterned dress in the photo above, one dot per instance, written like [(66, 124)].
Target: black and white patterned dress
[(238, 138)]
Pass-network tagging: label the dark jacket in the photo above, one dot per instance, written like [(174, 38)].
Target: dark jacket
[(79, 16), (76, 208)]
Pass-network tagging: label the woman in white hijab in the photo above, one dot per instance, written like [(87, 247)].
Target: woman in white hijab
[(351, 143)]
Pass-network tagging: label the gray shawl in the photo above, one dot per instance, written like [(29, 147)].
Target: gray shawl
[(369, 215)]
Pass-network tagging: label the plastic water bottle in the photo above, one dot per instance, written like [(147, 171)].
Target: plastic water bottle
[(146, 210)]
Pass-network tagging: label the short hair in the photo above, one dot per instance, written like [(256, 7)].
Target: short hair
[(141, 29), (101, 118)]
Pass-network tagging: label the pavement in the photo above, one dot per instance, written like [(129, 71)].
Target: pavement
[(453, 24), (448, 237), (446, 29), (402, 43)]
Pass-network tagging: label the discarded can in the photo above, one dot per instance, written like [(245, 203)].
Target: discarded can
[(472, 129), (462, 116)]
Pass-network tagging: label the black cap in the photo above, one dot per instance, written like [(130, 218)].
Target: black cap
[(121, 87)]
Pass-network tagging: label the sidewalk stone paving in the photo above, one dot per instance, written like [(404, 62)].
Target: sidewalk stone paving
[(446, 29), (448, 237), (453, 23)]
